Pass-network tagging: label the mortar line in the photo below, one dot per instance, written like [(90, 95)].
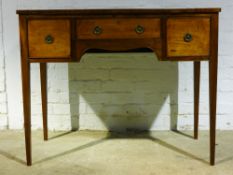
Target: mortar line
[(4, 63)]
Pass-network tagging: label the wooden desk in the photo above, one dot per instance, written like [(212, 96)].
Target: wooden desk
[(65, 35)]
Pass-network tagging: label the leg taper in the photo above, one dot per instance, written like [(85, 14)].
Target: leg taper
[(213, 67), (196, 97), (43, 77), (213, 95), (27, 108), (25, 70)]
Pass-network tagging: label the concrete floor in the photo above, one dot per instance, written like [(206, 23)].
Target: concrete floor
[(103, 153)]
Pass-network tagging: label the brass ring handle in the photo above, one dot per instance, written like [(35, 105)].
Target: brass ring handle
[(188, 37), (139, 29), (49, 39), (97, 30)]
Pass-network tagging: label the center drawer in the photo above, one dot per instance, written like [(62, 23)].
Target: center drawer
[(118, 28)]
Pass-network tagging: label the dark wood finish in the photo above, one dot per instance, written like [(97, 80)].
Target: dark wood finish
[(197, 27), (43, 79), (73, 32), (164, 30), (118, 45), (196, 83), (89, 12), (213, 70), (25, 70)]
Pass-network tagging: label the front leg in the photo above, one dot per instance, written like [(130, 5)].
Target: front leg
[(213, 67), (27, 108), (26, 88)]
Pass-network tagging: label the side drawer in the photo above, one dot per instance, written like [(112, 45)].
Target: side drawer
[(188, 36), (118, 28), (49, 38)]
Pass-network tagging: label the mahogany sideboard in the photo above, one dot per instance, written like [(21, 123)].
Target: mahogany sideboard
[(65, 35)]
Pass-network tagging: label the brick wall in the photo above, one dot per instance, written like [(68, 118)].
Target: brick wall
[(119, 91), (3, 97)]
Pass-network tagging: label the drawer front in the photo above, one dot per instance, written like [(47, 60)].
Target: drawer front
[(188, 36), (49, 38), (118, 28)]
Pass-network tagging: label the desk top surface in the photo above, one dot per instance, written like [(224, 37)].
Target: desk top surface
[(116, 11)]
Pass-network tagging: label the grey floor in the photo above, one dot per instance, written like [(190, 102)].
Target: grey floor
[(103, 153)]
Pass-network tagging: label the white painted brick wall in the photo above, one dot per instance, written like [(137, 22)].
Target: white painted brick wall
[(118, 91), (3, 97)]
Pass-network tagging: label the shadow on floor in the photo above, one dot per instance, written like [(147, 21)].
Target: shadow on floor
[(11, 157), (128, 135), (59, 135)]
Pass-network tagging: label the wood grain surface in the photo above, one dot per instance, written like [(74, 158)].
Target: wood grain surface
[(178, 27), (118, 28), (58, 29)]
